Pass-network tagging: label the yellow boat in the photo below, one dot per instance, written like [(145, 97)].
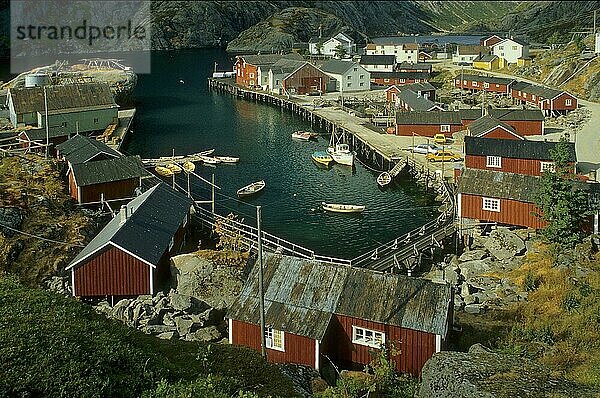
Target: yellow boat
[(163, 171), (189, 167), (322, 157), (175, 168)]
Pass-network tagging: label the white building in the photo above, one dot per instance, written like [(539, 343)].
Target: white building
[(511, 50), (404, 52), (466, 54), (349, 75), (318, 45), (597, 43), (378, 63)]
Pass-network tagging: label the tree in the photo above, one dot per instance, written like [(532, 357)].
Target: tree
[(339, 51), (320, 47), (563, 205)]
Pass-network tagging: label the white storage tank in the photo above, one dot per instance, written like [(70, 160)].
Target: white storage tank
[(37, 80)]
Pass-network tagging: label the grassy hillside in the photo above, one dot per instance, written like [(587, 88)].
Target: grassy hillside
[(53, 346)]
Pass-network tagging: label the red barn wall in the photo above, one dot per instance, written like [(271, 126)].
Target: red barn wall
[(526, 127), (243, 78), (112, 272), (298, 349), (112, 190), (306, 79), (512, 212), (415, 347), (530, 167), (499, 132), (391, 94), (425, 130), (493, 87), (396, 81), (559, 104)]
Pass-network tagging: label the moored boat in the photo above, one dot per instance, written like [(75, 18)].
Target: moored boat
[(208, 159), (341, 154), (322, 157), (251, 189), (303, 135), (189, 167), (227, 159), (204, 153), (342, 208), (174, 167), (163, 171), (384, 179)]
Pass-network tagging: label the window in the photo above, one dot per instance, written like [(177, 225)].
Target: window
[(568, 102), (386, 80), (491, 204), (493, 161), (464, 82), (95, 120), (514, 48), (519, 93), (349, 77), (501, 48), (370, 338), (361, 76), (274, 339), (251, 75), (486, 85), (355, 69), (402, 80), (475, 84), (349, 84), (533, 97), (445, 128), (277, 82), (547, 166), (63, 124), (497, 85), (362, 84)]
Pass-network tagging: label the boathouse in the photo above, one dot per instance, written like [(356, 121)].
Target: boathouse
[(512, 156), (316, 313), (307, 79), (490, 127), (378, 63), (483, 83), (130, 256), (428, 124), (425, 90), (549, 100), (408, 100), (349, 75), (110, 179), (83, 149), (278, 72), (246, 67), (525, 121)]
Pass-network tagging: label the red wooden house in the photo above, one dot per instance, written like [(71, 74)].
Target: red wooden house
[(524, 121), (110, 179), (512, 156), (305, 80), (398, 78), (247, 67), (490, 41), (315, 311), (130, 256), (408, 100), (428, 124), (483, 83), (425, 90), (549, 100), (490, 127)]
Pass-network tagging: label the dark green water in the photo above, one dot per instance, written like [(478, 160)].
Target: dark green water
[(188, 118)]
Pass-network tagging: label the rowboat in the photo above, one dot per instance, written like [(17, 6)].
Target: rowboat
[(189, 167), (204, 153), (341, 154), (227, 159), (322, 157), (251, 189), (384, 178), (208, 159), (163, 171), (342, 208), (163, 158), (174, 167), (303, 135)]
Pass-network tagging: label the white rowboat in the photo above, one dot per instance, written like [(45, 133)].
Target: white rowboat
[(227, 159), (208, 159), (341, 154), (384, 178), (342, 208), (251, 189)]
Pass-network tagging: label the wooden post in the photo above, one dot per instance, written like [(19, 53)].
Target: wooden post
[(261, 290), (212, 198)]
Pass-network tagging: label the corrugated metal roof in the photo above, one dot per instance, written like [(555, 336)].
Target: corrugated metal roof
[(109, 170), (400, 75), (155, 217), (487, 123), (497, 184), (433, 117), (337, 66), (519, 149), (301, 295), (416, 66), (81, 148), (415, 101), (484, 79), (504, 114), (269, 59), (378, 60)]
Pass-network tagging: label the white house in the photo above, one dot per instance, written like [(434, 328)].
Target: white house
[(404, 52), (511, 50), (597, 43), (349, 75), (329, 46), (378, 63), (466, 54)]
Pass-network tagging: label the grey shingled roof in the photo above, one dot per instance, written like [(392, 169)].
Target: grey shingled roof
[(269, 59), (416, 87), (504, 114), (497, 184), (472, 50), (416, 66), (80, 149), (156, 215), (301, 296), (518, 149), (519, 85), (433, 117), (487, 123), (540, 91), (378, 60), (285, 66), (60, 97), (415, 101), (337, 66), (400, 75), (485, 79), (109, 170)]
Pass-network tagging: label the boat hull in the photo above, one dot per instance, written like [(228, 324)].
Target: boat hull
[(342, 208), (384, 179), (344, 157), (251, 189), (322, 158)]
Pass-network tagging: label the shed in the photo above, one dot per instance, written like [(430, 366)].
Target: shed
[(526, 122), (131, 253), (428, 124), (490, 127), (83, 149), (398, 78), (411, 101)]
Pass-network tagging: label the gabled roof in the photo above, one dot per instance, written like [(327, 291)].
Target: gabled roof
[(268, 59), (410, 46), (156, 215), (519, 85), (433, 117), (80, 149), (508, 114), (378, 60), (472, 50), (415, 101), (487, 123), (302, 295), (421, 66), (286, 66), (102, 171), (60, 97), (484, 79), (538, 150), (517, 41), (540, 91), (416, 87), (400, 75), (497, 184), (338, 66)]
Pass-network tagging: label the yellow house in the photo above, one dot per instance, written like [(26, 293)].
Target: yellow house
[(487, 62), (524, 61)]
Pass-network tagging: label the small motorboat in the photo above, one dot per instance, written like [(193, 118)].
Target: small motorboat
[(189, 167), (384, 179), (251, 189), (163, 171), (341, 154), (322, 157), (208, 159), (303, 135), (174, 167), (227, 159), (342, 208)]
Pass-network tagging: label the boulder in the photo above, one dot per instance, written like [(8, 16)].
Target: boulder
[(207, 334), (157, 329), (168, 319), (475, 309), (471, 255), (184, 326), (185, 303), (168, 335), (11, 217), (118, 311), (504, 244), (470, 300), (475, 267)]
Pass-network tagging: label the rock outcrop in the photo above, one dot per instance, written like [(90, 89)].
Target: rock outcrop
[(484, 374)]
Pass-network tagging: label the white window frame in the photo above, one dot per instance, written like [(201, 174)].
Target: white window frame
[(474, 84), (270, 339), (491, 204), (361, 336), (568, 102), (549, 166), (445, 128), (487, 85), (533, 97), (493, 161), (251, 75)]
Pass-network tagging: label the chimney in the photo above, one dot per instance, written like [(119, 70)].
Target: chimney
[(123, 214)]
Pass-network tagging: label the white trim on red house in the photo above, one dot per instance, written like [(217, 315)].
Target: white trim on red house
[(230, 330), (503, 128), (151, 281), (102, 247), (73, 282), (438, 343), (317, 353), (133, 255)]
